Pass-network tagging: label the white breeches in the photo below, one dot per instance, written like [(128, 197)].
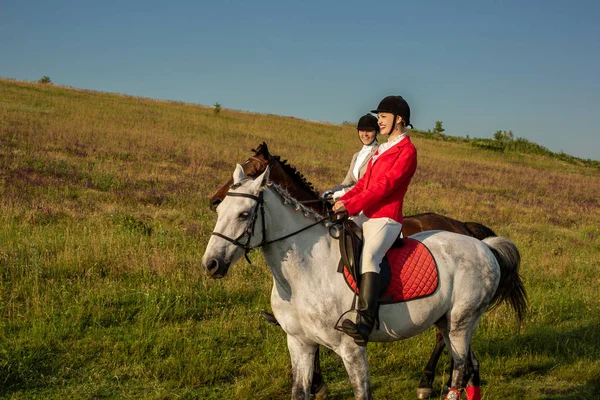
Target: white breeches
[(378, 236)]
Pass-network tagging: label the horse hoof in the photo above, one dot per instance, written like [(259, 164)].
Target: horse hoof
[(424, 393), (321, 392), (453, 394)]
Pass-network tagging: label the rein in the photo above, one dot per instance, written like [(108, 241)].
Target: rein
[(311, 201), (260, 206), (265, 163)]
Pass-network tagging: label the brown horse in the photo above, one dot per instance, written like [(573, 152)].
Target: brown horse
[(299, 188), (288, 177)]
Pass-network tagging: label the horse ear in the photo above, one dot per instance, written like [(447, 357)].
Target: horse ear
[(261, 180), (265, 150), (238, 174)]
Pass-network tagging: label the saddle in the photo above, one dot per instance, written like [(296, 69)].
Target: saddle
[(408, 271), (351, 244)]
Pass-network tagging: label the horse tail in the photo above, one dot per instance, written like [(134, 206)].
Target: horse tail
[(510, 289), (479, 231)]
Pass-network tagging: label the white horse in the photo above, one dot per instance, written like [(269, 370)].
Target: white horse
[(309, 295)]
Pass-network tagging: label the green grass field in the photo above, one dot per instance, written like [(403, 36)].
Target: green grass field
[(104, 219)]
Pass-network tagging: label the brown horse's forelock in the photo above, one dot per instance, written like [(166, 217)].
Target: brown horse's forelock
[(297, 176)]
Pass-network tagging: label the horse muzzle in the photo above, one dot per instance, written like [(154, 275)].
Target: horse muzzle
[(216, 268)]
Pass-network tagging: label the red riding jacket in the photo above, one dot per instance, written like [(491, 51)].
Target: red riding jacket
[(380, 192)]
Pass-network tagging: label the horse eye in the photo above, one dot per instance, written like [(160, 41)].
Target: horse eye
[(244, 215)]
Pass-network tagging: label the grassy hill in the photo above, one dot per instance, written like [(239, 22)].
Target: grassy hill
[(104, 217)]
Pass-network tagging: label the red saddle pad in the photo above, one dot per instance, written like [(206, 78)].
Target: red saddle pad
[(414, 273)]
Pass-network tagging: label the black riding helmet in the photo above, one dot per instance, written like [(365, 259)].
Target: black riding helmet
[(368, 122), (395, 105)]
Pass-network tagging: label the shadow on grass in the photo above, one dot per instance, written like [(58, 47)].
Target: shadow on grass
[(29, 368), (561, 347), (590, 390), (567, 346)]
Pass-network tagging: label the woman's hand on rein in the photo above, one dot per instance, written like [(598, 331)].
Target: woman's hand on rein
[(339, 207)]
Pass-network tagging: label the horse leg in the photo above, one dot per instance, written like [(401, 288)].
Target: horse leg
[(459, 381), (302, 355), (458, 340), (473, 389), (448, 383), (318, 388), (425, 389), (357, 367)]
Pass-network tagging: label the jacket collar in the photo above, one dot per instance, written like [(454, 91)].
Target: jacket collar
[(394, 149), (368, 158)]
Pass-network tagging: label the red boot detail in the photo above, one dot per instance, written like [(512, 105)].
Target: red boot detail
[(473, 393)]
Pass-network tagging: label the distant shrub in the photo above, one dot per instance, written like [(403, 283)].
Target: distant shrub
[(438, 127), (503, 136), (45, 79), (217, 108), (429, 134), (505, 142), (521, 145), (488, 144)]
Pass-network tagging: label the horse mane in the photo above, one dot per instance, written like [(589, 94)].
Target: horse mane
[(296, 175), (288, 200)]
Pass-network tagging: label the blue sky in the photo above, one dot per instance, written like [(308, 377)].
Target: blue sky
[(478, 66)]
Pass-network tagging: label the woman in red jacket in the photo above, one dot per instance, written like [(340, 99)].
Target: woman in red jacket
[(376, 204)]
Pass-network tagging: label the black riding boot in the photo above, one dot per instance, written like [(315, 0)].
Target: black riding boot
[(367, 307)]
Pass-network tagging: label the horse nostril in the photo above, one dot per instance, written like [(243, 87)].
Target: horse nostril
[(214, 203), (214, 268)]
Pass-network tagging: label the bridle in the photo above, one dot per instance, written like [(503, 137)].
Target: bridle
[(249, 230), (265, 163), (269, 163)]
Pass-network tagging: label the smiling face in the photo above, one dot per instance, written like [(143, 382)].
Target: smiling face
[(367, 137), (386, 120)]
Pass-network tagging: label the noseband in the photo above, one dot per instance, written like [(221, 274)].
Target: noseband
[(260, 206)]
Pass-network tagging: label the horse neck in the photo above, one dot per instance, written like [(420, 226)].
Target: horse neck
[(297, 190), (310, 256), (222, 191)]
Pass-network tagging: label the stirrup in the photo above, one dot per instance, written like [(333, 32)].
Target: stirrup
[(353, 329), (269, 318)]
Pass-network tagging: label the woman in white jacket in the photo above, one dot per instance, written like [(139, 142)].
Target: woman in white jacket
[(368, 129)]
